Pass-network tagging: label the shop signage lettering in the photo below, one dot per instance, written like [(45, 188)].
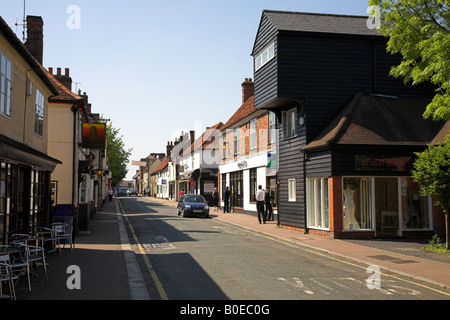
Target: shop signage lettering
[(377, 163)]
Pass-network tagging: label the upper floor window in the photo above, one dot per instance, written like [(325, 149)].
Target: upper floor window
[(253, 136), (39, 113), (272, 128), (265, 56), (224, 146), (290, 123), (236, 141), (5, 85)]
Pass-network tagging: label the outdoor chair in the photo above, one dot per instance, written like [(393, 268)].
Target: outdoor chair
[(6, 275), (63, 226), (31, 255)]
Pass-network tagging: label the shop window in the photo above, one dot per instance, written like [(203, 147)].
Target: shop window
[(292, 190), (8, 205), (357, 203), (414, 206), (54, 192), (317, 203), (253, 185)]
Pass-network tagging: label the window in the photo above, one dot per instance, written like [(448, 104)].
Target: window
[(414, 206), (253, 136), (54, 192), (224, 146), (292, 190), (39, 113), (272, 128), (317, 203), (236, 141), (5, 85), (253, 185), (290, 123), (265, 56), (357, 203)]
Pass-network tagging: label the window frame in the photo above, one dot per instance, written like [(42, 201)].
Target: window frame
[(318, 203), (39, 113), (266, 55), (292, 190), (290, 127), (6, 73), (253, 143)]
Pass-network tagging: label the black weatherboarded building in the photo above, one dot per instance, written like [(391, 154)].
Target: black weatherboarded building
[(308, 68)]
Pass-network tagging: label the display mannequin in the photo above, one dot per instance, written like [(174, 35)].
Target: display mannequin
[(350, 221)]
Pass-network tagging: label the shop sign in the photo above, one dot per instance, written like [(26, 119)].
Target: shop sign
[(377, 163), (242, 164), (94, 136)]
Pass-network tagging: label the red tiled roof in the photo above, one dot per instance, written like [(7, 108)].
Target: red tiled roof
[(204, 140), (246, 109), (64, 94), (162, 165)]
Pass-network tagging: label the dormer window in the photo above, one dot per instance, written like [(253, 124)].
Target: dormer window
[(265, 56)]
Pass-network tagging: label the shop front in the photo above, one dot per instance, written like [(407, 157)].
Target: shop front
[(358, 172)]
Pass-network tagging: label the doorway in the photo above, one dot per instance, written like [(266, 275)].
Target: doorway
[(386, 207)]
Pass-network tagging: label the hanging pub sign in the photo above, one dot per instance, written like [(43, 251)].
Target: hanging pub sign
[(94, 136), (379, 163)]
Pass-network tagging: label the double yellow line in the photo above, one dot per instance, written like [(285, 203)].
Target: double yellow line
[(141, 250)]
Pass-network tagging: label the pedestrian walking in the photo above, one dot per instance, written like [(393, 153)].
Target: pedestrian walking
[(260, 204), (269, 210), (226, 200), (110, 194), (215, 196)]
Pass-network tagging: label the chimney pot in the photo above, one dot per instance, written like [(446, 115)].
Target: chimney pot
[(67, 72), (50, 70), (58, 71)]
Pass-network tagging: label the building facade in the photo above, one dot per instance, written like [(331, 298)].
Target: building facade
[(25, 166), (308, 69), (249, 153)]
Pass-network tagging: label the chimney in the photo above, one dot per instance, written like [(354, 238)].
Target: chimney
[(169, 148), (35, 37), (65, 79), (248, 89)]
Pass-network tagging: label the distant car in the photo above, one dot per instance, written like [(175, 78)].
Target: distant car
[(122, 191), (131, 191), (193, 205)]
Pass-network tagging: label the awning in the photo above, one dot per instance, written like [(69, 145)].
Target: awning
[(14, 151)]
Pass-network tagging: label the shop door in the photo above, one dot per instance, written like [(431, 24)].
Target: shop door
[(386, 207)]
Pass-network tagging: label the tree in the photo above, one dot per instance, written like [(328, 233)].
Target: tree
[(432, 172), (420, 31), (118, 157)]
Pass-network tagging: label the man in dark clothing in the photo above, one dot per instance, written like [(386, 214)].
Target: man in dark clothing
[(226, 200), (269, 211)]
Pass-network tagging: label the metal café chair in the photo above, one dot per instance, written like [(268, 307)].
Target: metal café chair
[(31, 255), (10, 270), (63, 226)]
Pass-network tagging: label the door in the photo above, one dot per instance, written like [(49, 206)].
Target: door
[(386, 207)]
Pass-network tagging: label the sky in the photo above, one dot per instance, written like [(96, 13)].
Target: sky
[(155, 68)]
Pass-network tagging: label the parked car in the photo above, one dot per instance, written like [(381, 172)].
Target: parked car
[(122, 191), (131, 191), (193, 205)]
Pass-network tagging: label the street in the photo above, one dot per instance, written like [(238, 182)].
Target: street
[(206, 259)]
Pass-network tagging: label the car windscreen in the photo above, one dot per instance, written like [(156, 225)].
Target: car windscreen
[(193, 199)]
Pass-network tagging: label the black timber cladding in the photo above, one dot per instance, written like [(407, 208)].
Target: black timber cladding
[(322, 61)]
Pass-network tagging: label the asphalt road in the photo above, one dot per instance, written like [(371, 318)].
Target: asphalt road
[(206, 259)]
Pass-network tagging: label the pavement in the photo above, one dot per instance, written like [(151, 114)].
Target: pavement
[(106, 267)]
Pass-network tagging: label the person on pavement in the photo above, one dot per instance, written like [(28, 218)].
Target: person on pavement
[(260, 204)]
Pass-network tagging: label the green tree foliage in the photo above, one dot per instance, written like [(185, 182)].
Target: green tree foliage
[(432, 172), (118, 156), (420, 31)]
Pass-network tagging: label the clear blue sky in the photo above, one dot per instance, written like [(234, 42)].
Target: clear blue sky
[(155, 68)]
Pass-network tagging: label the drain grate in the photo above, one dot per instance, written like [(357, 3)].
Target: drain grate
[(395, 260)]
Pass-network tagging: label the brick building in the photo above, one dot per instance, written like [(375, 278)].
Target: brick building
[(248, 156)]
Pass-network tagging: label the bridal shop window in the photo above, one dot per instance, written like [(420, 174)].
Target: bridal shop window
[(317, 203), (357, 203)]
